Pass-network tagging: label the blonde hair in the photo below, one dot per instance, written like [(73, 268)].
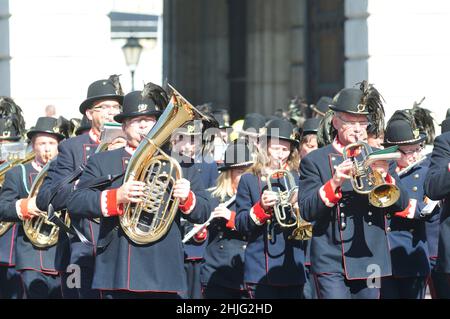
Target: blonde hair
[(262, 161), (224, 186)]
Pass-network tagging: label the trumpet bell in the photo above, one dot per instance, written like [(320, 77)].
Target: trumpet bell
[(384, 195)]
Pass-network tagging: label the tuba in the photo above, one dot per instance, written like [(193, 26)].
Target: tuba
[(287, 214), (40, 231), (148, 221), (366, 181), (4, 168)]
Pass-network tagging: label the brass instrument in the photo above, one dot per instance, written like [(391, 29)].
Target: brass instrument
[(287, 214), (4, 168), (40, 231), (366, 181), (148, 221)]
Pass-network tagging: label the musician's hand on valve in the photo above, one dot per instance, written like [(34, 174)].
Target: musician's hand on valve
[(268, 199), (131, 192), (116, 143), (181, 190), (32, 208), (381, 167), (342, 173), (221, 211)]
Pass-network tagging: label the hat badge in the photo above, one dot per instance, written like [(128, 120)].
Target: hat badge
[(361, 108), (6, 133), (416, 133), (142, 107), (104, 82), (292, 137), (56, 129), (191, 128)]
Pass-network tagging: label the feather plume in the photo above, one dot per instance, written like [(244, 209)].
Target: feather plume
[(326, 132), (116, 83), (155, 93), (424, 121), (13, 113), (373, 100)]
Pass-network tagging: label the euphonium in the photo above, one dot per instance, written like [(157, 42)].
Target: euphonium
[(366, 181), (4, 168), (40, 231), (148, 221), (287, 214)]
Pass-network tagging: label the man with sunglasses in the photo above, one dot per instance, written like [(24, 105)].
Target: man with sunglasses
[(349, 248), (407, 229)]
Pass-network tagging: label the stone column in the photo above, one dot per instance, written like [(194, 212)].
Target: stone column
[(5, 69)]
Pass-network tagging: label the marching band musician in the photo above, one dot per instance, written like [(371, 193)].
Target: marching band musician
[(407, 233), (187, 144), (222, 273), (274, 264), (124, 269), (349, 235), (308, 143), (104, 98), (12, 127), (36, 265), (437, 187)]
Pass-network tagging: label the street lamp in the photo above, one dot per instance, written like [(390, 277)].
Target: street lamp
[(132, 51)]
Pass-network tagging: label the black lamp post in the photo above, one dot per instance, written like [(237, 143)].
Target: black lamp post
[(132, 51)]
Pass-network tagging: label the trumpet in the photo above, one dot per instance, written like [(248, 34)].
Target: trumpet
[(366, 181), (287, 214)]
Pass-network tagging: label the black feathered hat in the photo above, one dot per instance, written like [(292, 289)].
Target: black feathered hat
[(84, 125), (322, 106), (12, 124), (363, 101), (152, 100), (281, 129), (253, 122), (237, 155), (108, 89), (48, 125), (402, 130)]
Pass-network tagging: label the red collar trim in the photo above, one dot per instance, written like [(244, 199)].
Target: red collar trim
[(94, 136), (130, 149), (339, 147)]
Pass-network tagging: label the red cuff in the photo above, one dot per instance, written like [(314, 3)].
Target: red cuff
[(201, 235), (231, 223), (24, 209), (258, 215), (389, 179), (328, 196), (109, 203), (189, 205), (409, 211)]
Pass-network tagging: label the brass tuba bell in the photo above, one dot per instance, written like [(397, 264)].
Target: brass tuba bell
[(4, 168), (40, 231), (366, 181), (148, 221)]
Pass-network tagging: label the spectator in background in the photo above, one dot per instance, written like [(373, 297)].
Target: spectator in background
[(50, 111)]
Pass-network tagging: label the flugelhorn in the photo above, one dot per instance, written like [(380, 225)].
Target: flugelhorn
[(287, 214), (365, 180)]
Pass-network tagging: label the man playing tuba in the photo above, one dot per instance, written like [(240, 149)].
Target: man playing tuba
[(36, 265), (124, 268)]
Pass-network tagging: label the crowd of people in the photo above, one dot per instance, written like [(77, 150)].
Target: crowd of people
[(148, 196)]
